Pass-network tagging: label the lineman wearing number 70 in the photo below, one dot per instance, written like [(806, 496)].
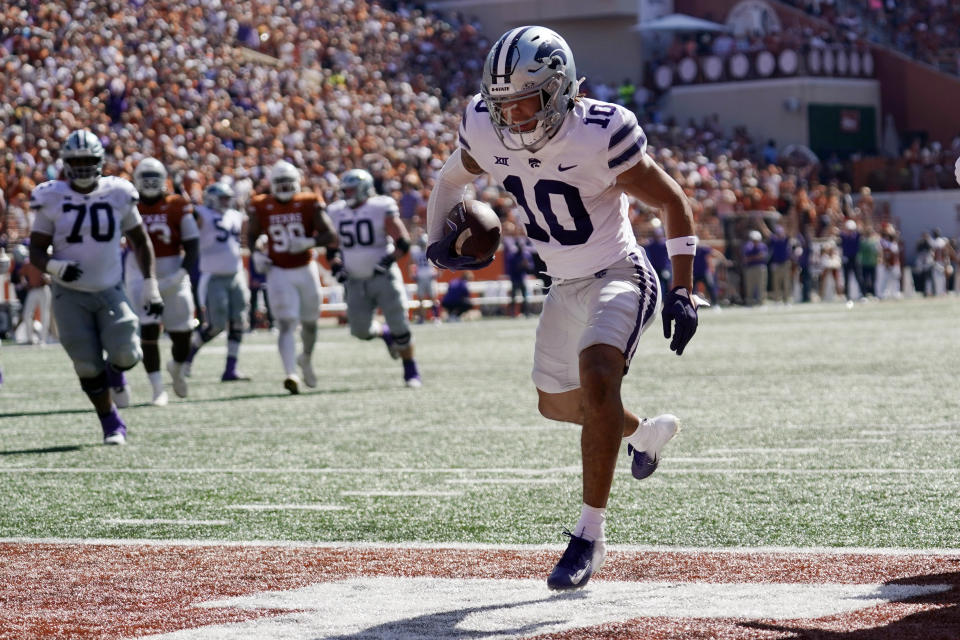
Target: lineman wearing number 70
[(570, 162), (82, 220), (292, 222)]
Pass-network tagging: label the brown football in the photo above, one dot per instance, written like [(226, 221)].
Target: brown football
[(479, 229)]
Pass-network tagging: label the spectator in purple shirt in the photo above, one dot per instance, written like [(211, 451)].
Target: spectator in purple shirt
[(656, 249), (781, 267), (850, 247), (704, 270), (755, 268)]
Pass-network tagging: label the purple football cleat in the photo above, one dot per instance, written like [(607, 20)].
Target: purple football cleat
[(411, 376), (580, 561), (660, 431), (114, 428)]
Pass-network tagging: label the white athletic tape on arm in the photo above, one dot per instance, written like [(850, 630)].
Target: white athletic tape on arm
[(682, 246), (447, 192)]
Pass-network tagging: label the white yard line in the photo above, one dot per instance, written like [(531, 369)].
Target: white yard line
[(153, 521), (402, 494), (286, 507)]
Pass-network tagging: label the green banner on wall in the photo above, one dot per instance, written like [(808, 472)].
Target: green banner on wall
[(842, 129)]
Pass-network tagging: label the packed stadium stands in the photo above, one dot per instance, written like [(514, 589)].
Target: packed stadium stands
[(223, 89)]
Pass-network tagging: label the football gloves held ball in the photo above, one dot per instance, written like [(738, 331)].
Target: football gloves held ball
[(442, 253)]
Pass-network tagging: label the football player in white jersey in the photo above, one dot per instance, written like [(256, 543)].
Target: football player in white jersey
[(82, 219), (222, 290), (425, 274), (371, 239), (570, 163), (169, 219)]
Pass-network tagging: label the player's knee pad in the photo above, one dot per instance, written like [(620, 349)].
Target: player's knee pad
[(286, 325), (308, 329), (87, 370), (403, 339), (126, 359), (363, 334), (94, 385), (208, 332), (235, 332)]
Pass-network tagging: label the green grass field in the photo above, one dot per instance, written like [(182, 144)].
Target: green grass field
[(813, 425)]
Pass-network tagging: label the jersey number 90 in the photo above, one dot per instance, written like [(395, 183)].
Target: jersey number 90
[(280, 235)]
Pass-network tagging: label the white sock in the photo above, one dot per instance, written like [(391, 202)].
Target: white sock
[(287, 344), (591, 523), (156, 380), (640, 439)]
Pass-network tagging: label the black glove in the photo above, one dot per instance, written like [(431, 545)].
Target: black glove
[(151, 300), (384, 265), (338, 272), (66, 270), (679, 309), (71, 272)]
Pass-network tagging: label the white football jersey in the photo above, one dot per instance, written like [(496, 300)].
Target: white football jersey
[(575, 215), (220, 240), (426, 272), (363, 236), (87, 227)]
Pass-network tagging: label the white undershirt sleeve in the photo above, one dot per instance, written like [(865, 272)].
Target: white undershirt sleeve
[(447, 192)]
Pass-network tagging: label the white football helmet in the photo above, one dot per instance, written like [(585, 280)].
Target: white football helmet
[(525, 62), (82, 156), (284, 181), (150, 178), (218, 196), (356, 186)]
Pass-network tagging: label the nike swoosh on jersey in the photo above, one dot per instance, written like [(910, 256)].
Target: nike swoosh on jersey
[(563, 168)]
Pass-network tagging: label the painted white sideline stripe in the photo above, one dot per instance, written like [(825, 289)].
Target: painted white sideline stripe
[(480, 546), (763, 450), (287, 507), (408, 608), (401, 494), (152, 521), (506, 480)]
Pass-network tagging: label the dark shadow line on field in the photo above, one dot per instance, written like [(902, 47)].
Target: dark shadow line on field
[(51, 412), (281, 394), (940, 622), (444, 624), (60, 449)]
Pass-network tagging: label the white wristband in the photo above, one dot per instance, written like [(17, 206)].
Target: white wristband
[(682, 246)]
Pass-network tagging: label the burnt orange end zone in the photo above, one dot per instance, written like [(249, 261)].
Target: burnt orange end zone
[(104, 591)]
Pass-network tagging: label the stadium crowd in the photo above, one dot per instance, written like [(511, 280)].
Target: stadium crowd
[(926, 30), (221, 90)]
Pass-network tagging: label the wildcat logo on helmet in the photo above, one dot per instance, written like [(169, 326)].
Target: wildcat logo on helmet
[(553, 51)]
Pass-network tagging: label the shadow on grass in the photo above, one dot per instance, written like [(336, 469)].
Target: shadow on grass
[(248, 396), (60, 449)]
